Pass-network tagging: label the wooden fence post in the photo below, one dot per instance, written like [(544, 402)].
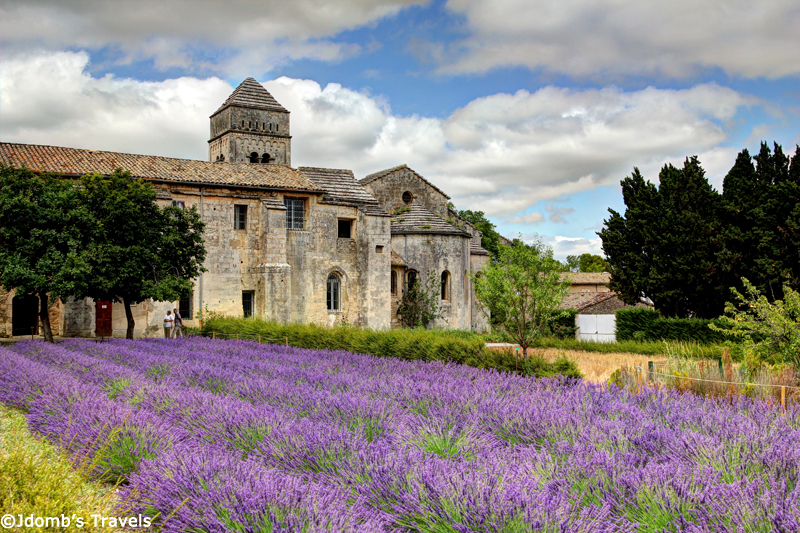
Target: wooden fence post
[(259, 339), (237, 336), (286, 339), (213, 334), (783, 397)]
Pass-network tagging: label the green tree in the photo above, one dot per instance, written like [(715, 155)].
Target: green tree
[(45, 238), (522, 290), (761, 221), (771, 329), (143, 251), (490, 239), (419, 304), (586, 263), (665, 246)]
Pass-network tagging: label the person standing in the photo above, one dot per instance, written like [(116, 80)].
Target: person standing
[(177, 329), (169, 321)]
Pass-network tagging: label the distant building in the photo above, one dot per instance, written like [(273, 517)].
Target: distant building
[(299, 245)]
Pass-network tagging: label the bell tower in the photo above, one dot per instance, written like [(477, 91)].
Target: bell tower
[(250, 127)]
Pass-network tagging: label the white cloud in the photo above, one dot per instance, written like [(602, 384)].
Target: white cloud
[(49, 99), (528, 218), (564, 246), (240, 35), (500, 154), (606, 38)]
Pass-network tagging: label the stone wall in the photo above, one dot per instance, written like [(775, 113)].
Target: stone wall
[(438, 253), (237, 131), (389, 190)]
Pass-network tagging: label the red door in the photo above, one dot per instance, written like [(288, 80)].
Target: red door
[(103, 319)]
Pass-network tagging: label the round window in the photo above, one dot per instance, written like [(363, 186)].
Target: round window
[(407, 197)]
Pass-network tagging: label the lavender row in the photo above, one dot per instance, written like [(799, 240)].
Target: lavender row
[(332, 441)]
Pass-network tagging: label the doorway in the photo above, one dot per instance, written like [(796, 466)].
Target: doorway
[(25, 315), (103, 318)]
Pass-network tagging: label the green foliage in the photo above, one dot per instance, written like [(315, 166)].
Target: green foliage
[(46, 238), (648, 325), (522, 291), (586, 263), (419, 305), (664, 247), (761, 221), (449, 346), (142, 251), (772, 330), (682, 244), (490, 239)]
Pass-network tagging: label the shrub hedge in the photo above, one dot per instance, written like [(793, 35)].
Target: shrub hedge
[(410, 344), (647, 325)]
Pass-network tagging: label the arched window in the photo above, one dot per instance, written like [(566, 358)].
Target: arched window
[(334, 293), (407, 197), (254, 157), (394, 282), (411, 279), (445, 285), (222, 158), (265, 158)]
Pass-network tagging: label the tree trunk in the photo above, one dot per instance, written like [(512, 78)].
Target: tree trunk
[(44, 316), (129, 316)]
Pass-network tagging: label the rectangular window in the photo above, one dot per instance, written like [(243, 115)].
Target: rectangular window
[(185, 307), (248, 298), (295, 213), (345, 229), (179, 204), (240, 217)]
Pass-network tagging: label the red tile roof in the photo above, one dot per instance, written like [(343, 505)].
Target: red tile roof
[(77, 162)]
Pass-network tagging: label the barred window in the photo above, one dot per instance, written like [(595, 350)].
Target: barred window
[(295, 213), (334, 293)]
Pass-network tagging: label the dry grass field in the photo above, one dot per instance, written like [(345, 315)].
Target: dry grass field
[(594, 366)]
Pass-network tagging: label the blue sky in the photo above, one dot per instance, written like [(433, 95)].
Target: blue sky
[(531, 111)]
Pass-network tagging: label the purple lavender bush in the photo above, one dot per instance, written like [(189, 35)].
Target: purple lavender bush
[(220, 436)]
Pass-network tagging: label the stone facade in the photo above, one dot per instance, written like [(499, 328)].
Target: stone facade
[(307, 245)]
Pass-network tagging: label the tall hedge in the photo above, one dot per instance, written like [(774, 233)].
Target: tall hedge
[(648, 325), (452, 347)]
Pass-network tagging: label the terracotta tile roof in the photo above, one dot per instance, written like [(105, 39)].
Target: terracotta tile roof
[(272, 202), (587, 278), (477, 249), (382, 173), (582, 300), (342, 188), (250, 93), (416, 219), (76, 162), (397, 260)]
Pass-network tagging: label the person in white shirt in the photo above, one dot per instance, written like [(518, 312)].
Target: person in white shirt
[(169, 320)]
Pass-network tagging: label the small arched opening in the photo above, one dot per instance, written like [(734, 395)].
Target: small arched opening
[(334, 293), (445, 285), (411, 279), (254, 157), (265, 158)]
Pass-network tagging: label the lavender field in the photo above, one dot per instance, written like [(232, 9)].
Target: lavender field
[(244, 437)]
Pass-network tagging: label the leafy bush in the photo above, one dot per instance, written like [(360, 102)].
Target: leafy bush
[(451, 346), (771, 330), (648, 325)]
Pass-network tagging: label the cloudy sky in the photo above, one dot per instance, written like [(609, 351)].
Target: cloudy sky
[(529, 110)]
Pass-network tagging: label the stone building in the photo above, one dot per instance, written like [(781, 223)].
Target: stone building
[(294, 245)]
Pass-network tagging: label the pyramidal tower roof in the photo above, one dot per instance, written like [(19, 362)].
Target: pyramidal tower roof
[(250, 93)]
